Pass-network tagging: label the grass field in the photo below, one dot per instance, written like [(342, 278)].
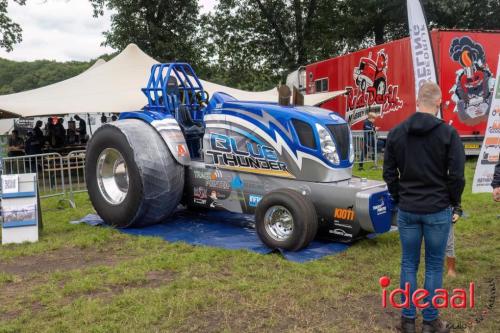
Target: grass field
[(87, 279)]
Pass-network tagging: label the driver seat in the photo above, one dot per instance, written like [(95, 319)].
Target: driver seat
[(193, 130)]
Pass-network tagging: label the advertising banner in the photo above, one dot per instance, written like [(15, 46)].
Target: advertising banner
[(490, 150), (421, 48)]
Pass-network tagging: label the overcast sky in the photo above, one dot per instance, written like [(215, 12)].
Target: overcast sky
[(61, 30)]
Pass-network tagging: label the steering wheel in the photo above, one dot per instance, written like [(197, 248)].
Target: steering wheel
[(202, 97)]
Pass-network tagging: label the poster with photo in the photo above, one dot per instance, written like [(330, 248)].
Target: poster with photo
[(19, 216)]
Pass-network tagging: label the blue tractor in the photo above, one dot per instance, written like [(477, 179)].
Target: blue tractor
[(289, 165)]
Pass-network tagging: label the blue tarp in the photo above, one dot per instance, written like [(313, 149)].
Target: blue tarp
[(221, 229)]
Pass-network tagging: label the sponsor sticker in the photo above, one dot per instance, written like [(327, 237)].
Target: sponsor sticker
[(201, 174), (254, 199), (340, 232), (344, 214), (200, 195), (181, 151), (381, 208), (237, 183)]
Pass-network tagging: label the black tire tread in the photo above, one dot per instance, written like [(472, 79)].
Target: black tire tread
[(301, 204), (161, 177)]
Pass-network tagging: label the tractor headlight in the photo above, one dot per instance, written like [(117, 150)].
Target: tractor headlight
[(351, 148), (328, 148)]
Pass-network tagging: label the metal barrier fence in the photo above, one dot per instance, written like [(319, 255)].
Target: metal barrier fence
[(57, 175), (75, 167), (365, 147)]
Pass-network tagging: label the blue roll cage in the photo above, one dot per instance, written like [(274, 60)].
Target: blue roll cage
[(162, 98)]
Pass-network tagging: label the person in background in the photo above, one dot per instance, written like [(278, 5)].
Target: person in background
[(60, 133), (82, 129), (16, 144), (50, 132), (369, 138), (496, 182), (450, 245), (114, 117), (37, 131), (424, 170), (33, 144), (104, 119)]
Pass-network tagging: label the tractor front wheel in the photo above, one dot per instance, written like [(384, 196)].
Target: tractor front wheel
[(286, 219)]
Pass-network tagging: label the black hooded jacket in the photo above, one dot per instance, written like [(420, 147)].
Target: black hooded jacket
[(424, 165)]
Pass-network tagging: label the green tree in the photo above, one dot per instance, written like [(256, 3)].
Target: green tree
[(273, 33), (168, 30), (472, 14), (253, 42), (10, 32), (17, 76), (368, 22)]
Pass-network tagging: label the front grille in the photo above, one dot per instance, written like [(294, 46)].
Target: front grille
[(340, 134)]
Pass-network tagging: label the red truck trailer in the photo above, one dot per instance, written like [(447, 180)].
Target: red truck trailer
[(380, 79)]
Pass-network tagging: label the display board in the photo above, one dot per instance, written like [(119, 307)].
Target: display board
[(20, 213)]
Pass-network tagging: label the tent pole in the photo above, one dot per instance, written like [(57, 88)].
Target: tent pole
[(90, 125)]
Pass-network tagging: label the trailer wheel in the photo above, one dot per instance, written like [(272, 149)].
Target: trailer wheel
[(286, 219), (132, 178)]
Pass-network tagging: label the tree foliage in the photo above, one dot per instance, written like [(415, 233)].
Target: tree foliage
[(168, 30), (276, 33), (472, 14), (248, 44), (256, 40), (10, 32), (16, 76)]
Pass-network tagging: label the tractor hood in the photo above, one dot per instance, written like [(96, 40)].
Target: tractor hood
[(303, 142)]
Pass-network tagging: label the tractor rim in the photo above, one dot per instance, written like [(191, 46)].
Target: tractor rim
[(278, 222), (112, 176)]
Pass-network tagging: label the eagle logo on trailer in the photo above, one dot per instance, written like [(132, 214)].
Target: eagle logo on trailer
[(371, 91), (474, 84)]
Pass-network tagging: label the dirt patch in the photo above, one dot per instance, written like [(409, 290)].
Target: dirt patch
[(32, 271), (153, 279), (282, 313), (64, 259)]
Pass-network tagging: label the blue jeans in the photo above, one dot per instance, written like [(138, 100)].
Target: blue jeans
[(434, 229)]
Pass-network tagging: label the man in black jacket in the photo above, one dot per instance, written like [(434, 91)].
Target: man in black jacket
[(424, 171), (496, 182)]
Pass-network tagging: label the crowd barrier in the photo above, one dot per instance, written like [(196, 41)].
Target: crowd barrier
[(366, 148), (57, 175)]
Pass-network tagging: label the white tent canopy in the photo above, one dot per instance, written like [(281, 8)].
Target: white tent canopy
[(96, 64), (113, 87)]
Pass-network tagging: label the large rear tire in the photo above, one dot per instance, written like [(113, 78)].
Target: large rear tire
[(286, 219), (132, 178)]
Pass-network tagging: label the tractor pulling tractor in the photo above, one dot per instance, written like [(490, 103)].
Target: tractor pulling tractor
[(291, 166)]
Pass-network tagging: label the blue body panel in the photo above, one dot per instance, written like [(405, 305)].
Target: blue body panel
[(222, 103), (145, 115), (381, 211)]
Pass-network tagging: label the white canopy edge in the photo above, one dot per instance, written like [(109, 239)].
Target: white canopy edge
[(114, 87), (96, 64)]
